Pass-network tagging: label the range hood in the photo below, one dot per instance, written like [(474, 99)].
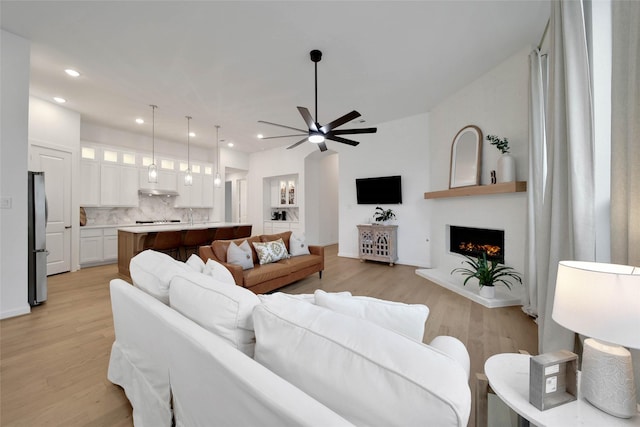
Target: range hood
[(156, 192)]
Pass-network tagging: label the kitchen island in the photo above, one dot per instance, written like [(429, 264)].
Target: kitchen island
[(133, 240)]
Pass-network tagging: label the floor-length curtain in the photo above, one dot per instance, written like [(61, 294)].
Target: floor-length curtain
[(536, 221), (569, 192), (625, 141)]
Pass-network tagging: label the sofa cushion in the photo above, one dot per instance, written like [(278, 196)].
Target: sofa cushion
[(240, 255), (407, 319), (152, 272), (298, 245), (264, 273), (301, 262), (218, 272), (219, 247), (196, 263), (285, 235), (222, 309), (269, 252), (367, 374)]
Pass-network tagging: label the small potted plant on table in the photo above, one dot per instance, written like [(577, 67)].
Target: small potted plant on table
[(488, 273), (383, 216)]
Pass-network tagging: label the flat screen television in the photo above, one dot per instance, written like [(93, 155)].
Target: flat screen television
[(380, 190)]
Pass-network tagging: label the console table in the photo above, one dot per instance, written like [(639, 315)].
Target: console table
[(508, 376), (378, 242)]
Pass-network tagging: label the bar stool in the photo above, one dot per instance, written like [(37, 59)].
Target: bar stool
[(242, 231), (168, 242), (193, 239), (225, 233)]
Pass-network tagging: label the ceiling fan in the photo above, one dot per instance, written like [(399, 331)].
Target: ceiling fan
[(318, 134)]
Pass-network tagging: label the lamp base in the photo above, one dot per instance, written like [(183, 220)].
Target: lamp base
[(607, 378)]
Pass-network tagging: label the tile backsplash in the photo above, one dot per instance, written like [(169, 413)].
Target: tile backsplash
[(150, 208)]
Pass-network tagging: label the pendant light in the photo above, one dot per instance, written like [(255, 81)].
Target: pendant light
[(153, 169), (188, 178), (217, 180)]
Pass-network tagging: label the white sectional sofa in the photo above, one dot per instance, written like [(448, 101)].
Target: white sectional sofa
[(199, 351)]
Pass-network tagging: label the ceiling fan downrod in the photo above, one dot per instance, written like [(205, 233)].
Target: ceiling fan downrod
[(316, 56)]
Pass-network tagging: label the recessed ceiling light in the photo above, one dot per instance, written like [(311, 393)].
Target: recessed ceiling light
[(192, 134), (230, 144), (260, 136), (72, 73), (139, 121), (59, 100)]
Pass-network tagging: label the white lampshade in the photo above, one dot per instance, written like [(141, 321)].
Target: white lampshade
[(599, 300)]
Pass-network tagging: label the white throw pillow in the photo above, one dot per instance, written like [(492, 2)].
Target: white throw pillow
[(367, 374), (196, 263), (310, 298), (152, 272), (222, 309), (240, 255), (407, 319), (218, 271), (298, 246), (269, 252)]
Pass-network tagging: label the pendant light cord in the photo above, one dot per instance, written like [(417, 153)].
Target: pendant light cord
[(153, 133), (188, 150)]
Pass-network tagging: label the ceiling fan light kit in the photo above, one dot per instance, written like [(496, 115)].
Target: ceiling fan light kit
[(318, 134)]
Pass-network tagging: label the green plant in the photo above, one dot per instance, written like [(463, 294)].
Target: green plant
[(488, 273), (501, 144), (383, 214)]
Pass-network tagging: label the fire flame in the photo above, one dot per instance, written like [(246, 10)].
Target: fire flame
[(491, 250)]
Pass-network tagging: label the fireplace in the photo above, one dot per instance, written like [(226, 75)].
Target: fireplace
[(473, 241)]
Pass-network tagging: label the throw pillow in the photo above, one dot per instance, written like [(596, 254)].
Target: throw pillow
[(310, 298), (240, 255), (196, 263), (419, 385), (218, 271), (152, 272), (298, 246), (269, 252), (221, 309), (406, 319)]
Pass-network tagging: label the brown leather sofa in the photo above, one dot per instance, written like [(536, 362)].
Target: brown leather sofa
[(267, 277)]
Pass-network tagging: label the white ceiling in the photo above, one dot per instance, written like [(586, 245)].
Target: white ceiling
[(234, 63)]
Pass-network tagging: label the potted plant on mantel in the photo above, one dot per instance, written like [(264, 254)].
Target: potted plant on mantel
[(383, 216), (488, 273), (506, 167)]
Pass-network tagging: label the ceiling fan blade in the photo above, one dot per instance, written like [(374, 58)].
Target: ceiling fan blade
[(343, 140), (284, 136), (296, 144), (353, 131), (322, 146), (339, 121), (283, 126), (306, 115)]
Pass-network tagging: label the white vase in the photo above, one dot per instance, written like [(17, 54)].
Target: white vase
[(488, 291), (506, 170)]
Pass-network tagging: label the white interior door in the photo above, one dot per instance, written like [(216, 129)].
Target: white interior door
[(242, 201), (56, 166)]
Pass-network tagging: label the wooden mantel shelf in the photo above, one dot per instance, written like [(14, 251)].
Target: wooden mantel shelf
[(477, 190)]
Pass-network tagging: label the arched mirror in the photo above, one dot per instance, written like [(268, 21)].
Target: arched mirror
[(466, 155)]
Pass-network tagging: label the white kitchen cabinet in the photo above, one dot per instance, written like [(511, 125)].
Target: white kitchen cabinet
[(207, 191), (272, 227), (167, 180), (118, 185), (198, 195), (89, 183), (98, 246)]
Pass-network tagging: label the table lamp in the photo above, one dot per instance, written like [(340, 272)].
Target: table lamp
[(602, 301)]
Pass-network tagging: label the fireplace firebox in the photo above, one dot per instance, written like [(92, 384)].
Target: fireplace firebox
[(473, 241)]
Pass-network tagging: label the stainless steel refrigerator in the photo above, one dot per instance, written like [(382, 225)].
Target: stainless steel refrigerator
[(37, 205)]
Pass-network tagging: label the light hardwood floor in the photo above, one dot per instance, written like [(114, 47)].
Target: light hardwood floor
[(53, 363)]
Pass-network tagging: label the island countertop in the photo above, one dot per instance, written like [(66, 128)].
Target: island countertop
[(133, 239)]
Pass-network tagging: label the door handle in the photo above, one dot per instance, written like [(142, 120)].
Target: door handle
[(66, 227)]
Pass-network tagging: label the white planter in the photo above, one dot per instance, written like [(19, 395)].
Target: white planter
[(506, 170), (488, 291)]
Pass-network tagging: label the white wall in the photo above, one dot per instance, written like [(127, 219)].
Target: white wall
[(322, 213), (497, 102), (14, 110), (58, 128)]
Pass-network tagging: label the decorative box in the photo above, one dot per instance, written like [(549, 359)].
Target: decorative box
[(552, 379)]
